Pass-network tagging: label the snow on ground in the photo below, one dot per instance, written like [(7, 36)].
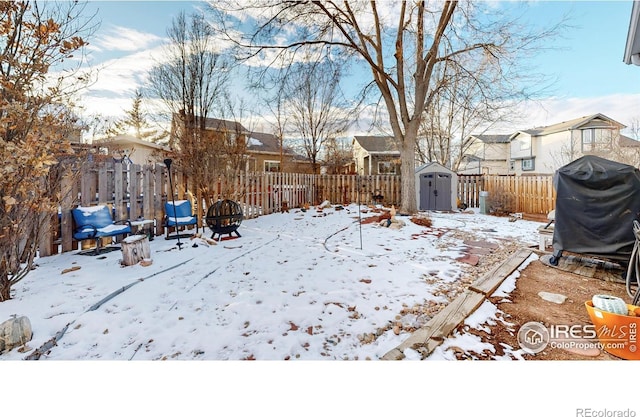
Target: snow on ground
[(298, 285)]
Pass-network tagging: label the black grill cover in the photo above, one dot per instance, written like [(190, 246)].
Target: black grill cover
[(597, 201)]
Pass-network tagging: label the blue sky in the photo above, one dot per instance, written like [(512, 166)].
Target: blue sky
[(587, 61)]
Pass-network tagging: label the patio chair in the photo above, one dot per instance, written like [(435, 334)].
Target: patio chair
[(179, 216), (95, 222)]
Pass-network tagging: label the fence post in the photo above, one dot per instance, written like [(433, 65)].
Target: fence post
[(66, 204), (45, 241), (159, 197)]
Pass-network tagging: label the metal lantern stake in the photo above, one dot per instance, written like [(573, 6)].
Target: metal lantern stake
[(168, 162)]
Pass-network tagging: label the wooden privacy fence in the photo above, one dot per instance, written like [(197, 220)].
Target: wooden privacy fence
[(532, 194), (139, 192)]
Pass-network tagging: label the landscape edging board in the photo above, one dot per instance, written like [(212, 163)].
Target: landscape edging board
[(429, 337)]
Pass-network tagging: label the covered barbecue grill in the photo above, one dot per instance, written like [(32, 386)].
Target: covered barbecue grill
[(597, 201), (224, 217)]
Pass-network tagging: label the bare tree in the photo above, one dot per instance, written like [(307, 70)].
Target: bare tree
[(316, 105), (190, 81), (36, 121), (338, 153), (401, 56), (634, 129), (275, 104), (472, 97)]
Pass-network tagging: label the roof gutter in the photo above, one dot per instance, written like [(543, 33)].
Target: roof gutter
[(632, 49)]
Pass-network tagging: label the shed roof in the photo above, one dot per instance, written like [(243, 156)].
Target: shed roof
[(433, 165)]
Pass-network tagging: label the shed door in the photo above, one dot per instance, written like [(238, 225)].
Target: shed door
[(435, 191)]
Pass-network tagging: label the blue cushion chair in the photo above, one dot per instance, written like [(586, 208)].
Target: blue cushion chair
[(179, 215), (95, 222)]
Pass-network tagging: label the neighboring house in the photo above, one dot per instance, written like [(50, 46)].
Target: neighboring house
[(486, 154), (262, 150), (632, 49), (543, 150), (216, 129), (376, 155), (264, 154), (130, 149)]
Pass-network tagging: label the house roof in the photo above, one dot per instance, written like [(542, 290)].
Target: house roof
[(628, 142), (268, 143), (567, 125), (632, 48), (264, 142), (505, 138), (378, 144), (222, 125), (128, 140)]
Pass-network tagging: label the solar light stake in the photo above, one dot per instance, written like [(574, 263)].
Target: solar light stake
[(359, 215), (168, 162)]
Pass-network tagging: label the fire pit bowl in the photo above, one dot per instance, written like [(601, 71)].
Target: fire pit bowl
[(224, 217)]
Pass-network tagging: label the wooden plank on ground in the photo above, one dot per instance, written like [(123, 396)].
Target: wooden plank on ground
[(443, 323), (427, 338), (488, 283), (455, 313)]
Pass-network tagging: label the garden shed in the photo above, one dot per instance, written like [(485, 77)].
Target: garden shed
[(436, 187)]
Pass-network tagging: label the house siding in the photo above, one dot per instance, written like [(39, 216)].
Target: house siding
[(553, 151), (367, 163)]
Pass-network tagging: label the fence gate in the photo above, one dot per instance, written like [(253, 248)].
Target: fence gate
[(435, 191)]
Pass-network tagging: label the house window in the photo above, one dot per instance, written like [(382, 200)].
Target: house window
[(587, 139), (525, 144), (386, 167), (596, 139), (272, 166), (528, 165)]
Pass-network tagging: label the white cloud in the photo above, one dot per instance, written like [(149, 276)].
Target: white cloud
[(123, 75), (119, 38)]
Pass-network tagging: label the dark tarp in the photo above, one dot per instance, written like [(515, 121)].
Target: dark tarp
[(597, 201)]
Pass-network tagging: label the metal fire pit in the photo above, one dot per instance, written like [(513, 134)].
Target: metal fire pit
[(224, 217)]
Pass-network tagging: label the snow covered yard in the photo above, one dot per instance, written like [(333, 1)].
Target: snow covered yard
[(298, 285)]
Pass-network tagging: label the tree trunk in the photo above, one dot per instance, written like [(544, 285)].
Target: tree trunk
[(408, 203), (135, 249), (5, 289)]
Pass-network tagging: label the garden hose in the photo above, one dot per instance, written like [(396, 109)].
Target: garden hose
[(633, 271)]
